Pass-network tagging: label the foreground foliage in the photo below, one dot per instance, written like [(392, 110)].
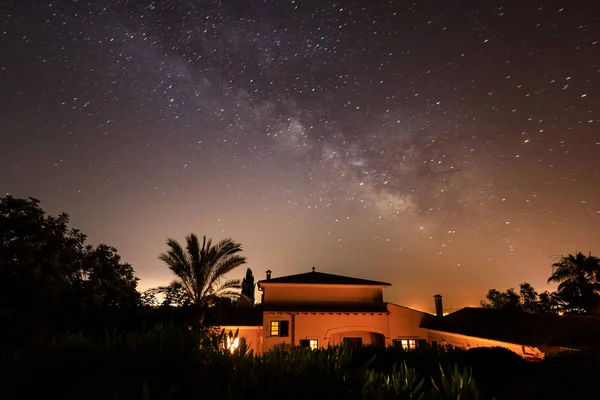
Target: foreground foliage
[(168, 362)]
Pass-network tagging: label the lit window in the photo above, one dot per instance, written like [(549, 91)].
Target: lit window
[(274, 328), (313, 344), (406, 344), (279, 328)]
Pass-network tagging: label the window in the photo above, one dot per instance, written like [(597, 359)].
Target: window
[(406, 344), (279, 328), (353, 341), (312, 343)]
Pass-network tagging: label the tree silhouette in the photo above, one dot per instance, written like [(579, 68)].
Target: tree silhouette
[(529, 297), (505, 300), (248, 286), (578, 278), (200, 270), (49, 279), (549, 302)]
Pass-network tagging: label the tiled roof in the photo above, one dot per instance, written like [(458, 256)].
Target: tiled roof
[(329, 308), (320, 278), (521, 328)]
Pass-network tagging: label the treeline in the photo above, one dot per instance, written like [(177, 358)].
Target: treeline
[(578, 278), (52, 282)]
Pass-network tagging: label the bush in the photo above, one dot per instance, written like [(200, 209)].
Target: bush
[(177, 363)]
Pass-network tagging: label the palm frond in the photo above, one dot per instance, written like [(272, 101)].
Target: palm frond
[(176, 259), (234, 284), (227, 265), (193, 248), (200, 268)]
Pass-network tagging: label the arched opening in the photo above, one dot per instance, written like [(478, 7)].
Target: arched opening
[(357, 338)]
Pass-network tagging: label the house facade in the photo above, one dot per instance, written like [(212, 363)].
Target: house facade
[(316, 309)]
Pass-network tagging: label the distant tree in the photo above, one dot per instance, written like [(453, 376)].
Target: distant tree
[(504, 300), (548, 302), (248, 286), (578, 278), (175, 296), (200, 270), (528, 297), (149, 298)]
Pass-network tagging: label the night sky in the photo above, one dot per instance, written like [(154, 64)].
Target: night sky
[(442, 146)]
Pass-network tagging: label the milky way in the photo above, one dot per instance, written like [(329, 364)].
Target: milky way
[(442, 146)]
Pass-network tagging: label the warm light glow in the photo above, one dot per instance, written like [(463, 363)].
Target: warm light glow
[(232, 343), (274, 328), (406, 344), (313, 344)]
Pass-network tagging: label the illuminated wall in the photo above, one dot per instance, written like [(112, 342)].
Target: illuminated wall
[(468, 342), (330, 328), (288, 293)]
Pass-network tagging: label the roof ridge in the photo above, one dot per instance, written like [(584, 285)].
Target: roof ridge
[(317, 277)]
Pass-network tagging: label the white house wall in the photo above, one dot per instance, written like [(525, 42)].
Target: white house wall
[(282, 294), (468, 342)]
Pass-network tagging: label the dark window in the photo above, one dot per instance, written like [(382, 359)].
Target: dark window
[(280, 328), (353, 341), (284, 328), (422, 343)]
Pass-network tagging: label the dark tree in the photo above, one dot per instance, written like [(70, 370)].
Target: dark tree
[(200, 270), (578, 278), (39, 255), (106, 283), (548, 303), (505, 300), (49, 278), (248, 286), (529, 297)]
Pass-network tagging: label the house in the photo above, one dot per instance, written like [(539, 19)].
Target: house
[(317, 309), (533, 336)]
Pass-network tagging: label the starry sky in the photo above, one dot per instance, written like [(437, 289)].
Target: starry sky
[(445, 146)]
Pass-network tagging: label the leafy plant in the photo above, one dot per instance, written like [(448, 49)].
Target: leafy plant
[(455, 385)]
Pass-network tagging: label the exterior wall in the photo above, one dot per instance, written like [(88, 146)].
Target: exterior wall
[(312, 294), (405, 323), (252, 334), (327, 328), (330, 329), (367, 338), (468, 342)]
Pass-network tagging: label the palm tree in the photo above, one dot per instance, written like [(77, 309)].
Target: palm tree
[(578, 277), (200, 270)]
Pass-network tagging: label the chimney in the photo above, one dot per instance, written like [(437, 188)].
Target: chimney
[(269, 274), (439, 308)]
